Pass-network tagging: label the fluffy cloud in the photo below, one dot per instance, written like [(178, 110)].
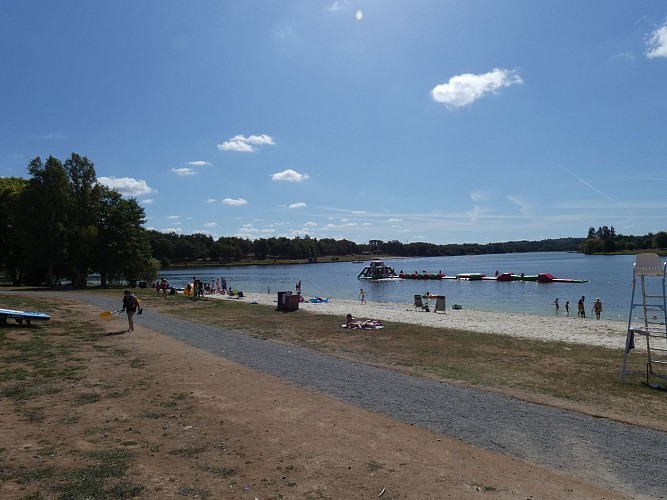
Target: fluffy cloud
[(234, 202), (657, 43), (183, 171), (298, 205), (465, 89), (199, 163), (289, 175), (126, 185), (243, 144)]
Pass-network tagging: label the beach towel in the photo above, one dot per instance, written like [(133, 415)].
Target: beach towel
[(370, 327)]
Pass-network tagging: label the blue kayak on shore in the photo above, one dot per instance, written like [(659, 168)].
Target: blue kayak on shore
[(21, 316)]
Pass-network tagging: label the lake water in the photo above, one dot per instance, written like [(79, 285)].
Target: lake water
[(609, 277)]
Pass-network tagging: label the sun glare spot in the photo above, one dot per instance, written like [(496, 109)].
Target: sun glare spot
[(359, 15)]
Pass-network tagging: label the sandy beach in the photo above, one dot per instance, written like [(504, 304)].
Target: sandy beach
[(550, 328)]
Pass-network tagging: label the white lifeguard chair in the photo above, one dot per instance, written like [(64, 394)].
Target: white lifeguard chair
[(651, 324)]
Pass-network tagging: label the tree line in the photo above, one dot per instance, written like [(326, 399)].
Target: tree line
[(604, 239), (61, 224)]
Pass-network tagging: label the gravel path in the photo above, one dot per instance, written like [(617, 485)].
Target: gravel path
[(629, 459)]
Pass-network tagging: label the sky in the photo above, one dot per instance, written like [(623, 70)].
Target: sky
[(419, 120)]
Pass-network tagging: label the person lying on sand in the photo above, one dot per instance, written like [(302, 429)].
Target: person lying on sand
[(361, 324)]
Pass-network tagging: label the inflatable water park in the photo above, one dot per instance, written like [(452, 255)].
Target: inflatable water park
[(378, 270), (21, 316)]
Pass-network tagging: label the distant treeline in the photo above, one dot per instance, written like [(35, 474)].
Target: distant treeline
[(605, 240), (171, 248)]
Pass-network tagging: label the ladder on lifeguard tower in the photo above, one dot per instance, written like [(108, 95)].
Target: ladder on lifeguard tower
[(651, 324)]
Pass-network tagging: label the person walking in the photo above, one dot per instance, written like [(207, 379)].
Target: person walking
[(597, 308), (362, 296), (130, 306), (581, 309)]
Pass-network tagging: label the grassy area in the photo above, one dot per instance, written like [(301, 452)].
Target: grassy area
[(585, 378)]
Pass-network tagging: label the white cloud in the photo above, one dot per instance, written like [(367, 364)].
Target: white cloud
[(199, 163), (524, 207), (465, 89), (298, 205), (394, 220), (243, 144), (479, 195), (183, 171), (310, 224), (210, 224), (126, 185), (148, 201), (657, 43), (173, 217), (210, 200), (176, 230), (234, 202), (289, 175)]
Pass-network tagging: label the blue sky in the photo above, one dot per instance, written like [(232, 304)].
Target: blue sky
[(439, 121)]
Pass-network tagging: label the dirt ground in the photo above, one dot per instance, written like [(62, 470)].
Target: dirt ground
[(190, 424)]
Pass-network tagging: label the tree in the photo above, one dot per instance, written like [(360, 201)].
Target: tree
[(122, 250), (82, 231), (660, 239), (11, 189), (44, 221)]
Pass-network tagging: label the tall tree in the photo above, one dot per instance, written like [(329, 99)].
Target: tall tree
[(43, 235), (11, 189), (82, 231), (123, 249)]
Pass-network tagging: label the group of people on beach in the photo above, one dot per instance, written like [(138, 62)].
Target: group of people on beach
[(581, 308)]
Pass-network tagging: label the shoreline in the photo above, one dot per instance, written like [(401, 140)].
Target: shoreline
[(573, 330)]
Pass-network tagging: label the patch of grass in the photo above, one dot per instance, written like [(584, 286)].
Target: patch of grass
[(35, 474), (189, 452), (90, 481), (71, 420), (86, 398), (151, 414), (118, 394), (13, 374), (374, 466), (193, 491), (32, 415), (218, 471), (137, 363)]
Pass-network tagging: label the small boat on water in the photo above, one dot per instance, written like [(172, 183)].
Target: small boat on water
[(378, 270)]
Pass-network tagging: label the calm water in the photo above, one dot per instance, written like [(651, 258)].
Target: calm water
[(609, 278)]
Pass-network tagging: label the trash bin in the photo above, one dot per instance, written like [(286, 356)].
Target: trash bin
[(287, 302)]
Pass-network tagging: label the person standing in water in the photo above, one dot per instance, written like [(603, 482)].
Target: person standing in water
[(362, 296), (556, 304)]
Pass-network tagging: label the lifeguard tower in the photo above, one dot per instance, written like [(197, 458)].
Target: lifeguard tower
[(648, 308)]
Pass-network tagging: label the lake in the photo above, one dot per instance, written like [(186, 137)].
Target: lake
[(609, 277)]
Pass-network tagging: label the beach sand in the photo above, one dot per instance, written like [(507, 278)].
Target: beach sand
[(548, 328)]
